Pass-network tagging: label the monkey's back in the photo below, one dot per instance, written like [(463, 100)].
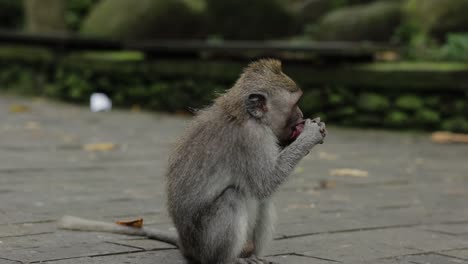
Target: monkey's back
[(199, 166)]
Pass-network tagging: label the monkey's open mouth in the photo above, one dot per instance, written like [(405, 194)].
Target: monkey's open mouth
[(297, 130)]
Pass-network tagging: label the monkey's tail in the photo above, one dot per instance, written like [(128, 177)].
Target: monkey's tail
[(80, 224)]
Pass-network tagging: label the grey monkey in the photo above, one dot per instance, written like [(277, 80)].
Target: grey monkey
[(224, 170)]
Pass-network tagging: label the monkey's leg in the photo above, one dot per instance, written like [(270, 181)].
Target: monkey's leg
[(264, 228), (224, 229)]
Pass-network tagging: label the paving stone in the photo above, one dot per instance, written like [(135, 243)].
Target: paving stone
[(142, 243), (151, 257), (59, 245), (433, 259), (293, 259), (452, 229), (367, 245), (461, 253), (6, 261), (28, 229), (412, 202)]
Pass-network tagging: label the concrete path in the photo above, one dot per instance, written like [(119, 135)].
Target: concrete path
[(411, 207)]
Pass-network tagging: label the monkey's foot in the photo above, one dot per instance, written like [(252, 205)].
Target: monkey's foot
[(253, 260)]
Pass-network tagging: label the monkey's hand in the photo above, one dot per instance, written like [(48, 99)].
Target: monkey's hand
[(314, 133), (323, 129)]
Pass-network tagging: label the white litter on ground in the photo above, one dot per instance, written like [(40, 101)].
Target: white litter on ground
[(100, 102)]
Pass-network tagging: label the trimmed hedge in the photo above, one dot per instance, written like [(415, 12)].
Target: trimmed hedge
[(148, 19), (438, 18), (182, 85), (185, 19), (375, 21), (253, 20)]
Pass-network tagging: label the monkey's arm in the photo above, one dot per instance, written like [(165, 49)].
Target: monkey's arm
[(273, 176), (80, 224)]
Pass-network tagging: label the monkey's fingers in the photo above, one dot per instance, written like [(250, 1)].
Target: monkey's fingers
[(323, 130)]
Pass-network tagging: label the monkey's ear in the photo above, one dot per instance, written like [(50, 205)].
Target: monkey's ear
[(256, 104)]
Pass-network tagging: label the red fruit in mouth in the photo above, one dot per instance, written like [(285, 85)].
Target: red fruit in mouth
[(297, 130)]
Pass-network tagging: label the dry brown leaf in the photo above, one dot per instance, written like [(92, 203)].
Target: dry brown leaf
[(448, 137), (349, 172), (31, 125), (104, 146), (18, 108), (326, 185), (136, 108), (327, 156), (387, 56), (138, 223)]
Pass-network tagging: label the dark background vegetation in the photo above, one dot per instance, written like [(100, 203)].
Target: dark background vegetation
[(423, 86)]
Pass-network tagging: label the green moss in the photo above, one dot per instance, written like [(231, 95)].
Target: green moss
[(409, 102), (373, 102)]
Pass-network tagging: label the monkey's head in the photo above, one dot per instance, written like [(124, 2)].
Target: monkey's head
[(270, 97)]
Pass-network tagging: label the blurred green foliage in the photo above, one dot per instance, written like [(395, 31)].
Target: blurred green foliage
[(396, 118), (373, 102), (436, 17), (77, 11), (456, 48), (165, 85), (376, 96), (11, 14), (409, 102), (422, 48)]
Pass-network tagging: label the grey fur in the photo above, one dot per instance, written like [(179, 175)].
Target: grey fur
[(226, 167)]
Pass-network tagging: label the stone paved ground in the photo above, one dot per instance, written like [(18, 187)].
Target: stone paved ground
[(411, 208)]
